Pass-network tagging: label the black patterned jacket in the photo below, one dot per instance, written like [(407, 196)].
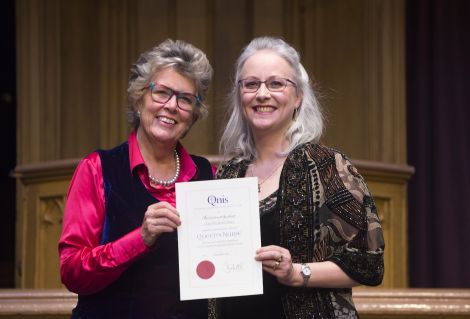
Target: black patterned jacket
[(326, 213)]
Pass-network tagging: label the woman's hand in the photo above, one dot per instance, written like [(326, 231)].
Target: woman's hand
[(277, 261), (158, 219)]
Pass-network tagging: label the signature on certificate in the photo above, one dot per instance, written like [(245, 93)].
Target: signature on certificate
[(233, 267)]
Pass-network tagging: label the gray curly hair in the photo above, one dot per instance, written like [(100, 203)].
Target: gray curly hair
[(184, 58)]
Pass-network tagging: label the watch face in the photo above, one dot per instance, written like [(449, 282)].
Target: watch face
[(306, 271)]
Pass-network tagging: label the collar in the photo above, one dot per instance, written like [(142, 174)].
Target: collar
[(188, 167)]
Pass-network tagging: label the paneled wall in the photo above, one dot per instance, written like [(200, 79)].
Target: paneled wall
[(73, 59)]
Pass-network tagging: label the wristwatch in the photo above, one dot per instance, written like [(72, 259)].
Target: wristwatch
[(305, 272)]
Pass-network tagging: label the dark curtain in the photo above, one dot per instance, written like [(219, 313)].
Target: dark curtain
[(438, 124), (8, 134)]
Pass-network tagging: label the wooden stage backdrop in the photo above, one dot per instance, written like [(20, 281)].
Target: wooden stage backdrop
[(73, 59)]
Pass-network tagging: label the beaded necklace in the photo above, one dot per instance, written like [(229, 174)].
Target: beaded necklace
[(171, 181)]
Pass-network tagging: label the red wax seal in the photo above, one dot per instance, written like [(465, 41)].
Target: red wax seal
[(205, 269)]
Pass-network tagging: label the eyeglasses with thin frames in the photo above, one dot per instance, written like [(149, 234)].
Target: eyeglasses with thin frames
[(252, 85), (162, 94)]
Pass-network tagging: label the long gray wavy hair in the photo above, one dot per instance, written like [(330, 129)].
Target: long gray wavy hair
[(237, 139)]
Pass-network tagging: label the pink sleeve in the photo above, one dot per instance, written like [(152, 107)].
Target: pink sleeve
[(86, 266)]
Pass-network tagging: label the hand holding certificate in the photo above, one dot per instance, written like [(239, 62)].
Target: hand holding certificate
[(218, 237)]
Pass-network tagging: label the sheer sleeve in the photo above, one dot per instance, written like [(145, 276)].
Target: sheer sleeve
[(356, 244)]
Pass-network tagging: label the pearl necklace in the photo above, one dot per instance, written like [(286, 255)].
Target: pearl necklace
[(171, 181)]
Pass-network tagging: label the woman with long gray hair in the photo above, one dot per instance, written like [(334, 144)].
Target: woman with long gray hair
[(320, 231)]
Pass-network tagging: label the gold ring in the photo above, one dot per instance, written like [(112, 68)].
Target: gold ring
[(280, 259), (276, 264)]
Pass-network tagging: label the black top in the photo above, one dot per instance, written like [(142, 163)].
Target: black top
[(261, 306)]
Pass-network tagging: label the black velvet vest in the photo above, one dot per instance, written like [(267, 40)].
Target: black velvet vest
[(149, 288)]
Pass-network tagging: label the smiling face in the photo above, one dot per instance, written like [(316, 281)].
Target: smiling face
[(165, 122), (266, 111)]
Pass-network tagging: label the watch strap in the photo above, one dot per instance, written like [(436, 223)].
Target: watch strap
[(305, 274)]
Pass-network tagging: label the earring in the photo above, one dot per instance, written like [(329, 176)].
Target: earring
[(296, 113), (138, 114)]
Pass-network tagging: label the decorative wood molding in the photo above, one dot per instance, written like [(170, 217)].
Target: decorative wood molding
[(49, 228), (373, 303), (36, 302), (44, 171), (378, 171), (372, 169), (412, 303)]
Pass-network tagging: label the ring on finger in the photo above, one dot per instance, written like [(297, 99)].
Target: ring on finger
[(280, 258), (276, 264)]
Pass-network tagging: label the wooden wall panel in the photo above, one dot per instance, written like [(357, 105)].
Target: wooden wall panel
[(355, 52), (75, 56), (117, 47), (49, 228), (193, 23), (388, 199), (96, 55), (388, 185), (37, 37), (80, 71), (38, 230), (338, 67), (268, 18), (154, 24), (231, 24)]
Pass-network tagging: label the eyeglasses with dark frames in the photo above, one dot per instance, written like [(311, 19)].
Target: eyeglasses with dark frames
[(162, 94), (275, 84)]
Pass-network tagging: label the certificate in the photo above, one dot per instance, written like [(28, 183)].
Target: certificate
[(218, 238)]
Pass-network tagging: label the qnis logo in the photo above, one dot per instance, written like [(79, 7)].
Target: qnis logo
[(214, 200)]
